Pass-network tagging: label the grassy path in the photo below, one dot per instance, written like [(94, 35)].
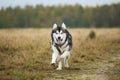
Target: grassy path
[(106, 69)]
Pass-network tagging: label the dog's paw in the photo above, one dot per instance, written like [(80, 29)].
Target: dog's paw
[(59, 69), (53, 65)]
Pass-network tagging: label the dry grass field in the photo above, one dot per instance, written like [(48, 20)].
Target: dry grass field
[(25, 54)]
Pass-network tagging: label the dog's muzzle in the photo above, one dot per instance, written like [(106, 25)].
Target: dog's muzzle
[(59, 41)]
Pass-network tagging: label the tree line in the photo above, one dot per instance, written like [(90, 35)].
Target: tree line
[(72, 15)]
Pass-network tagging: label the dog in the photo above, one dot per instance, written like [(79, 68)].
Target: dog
[(61, 45)]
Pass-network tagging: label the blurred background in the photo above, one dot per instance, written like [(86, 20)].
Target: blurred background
[(74, 13)]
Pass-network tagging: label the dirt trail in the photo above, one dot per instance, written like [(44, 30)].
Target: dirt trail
[(107, 69)]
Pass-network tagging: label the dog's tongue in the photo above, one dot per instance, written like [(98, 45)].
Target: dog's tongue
[(59, 42)]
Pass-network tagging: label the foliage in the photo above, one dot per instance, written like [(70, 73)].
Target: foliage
[(73, 15), (92, 35)]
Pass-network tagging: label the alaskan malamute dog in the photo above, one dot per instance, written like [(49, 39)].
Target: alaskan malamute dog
[(61, 45)]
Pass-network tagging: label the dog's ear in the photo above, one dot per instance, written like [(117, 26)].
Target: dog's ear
[(64, 26), (54, 26)]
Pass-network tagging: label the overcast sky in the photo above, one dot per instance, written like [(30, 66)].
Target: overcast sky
[(23, 3)]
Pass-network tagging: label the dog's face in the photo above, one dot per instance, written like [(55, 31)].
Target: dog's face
[(59, 34)]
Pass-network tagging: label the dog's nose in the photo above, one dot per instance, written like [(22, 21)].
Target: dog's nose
[(59, 38)]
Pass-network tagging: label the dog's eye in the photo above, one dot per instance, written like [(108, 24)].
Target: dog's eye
[(57, 32)]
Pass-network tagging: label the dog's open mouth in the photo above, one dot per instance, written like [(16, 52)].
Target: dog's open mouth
[(59, 41)]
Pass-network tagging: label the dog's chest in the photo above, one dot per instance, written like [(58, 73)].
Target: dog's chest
[(63, 49)]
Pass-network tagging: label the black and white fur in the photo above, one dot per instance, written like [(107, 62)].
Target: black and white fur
[(61, 45)]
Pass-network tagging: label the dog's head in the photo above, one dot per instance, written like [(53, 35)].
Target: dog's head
[(59, 34)]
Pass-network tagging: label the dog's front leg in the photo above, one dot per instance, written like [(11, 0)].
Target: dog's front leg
[(59, 65), (66, 61), (66, 56), (54, 57)]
